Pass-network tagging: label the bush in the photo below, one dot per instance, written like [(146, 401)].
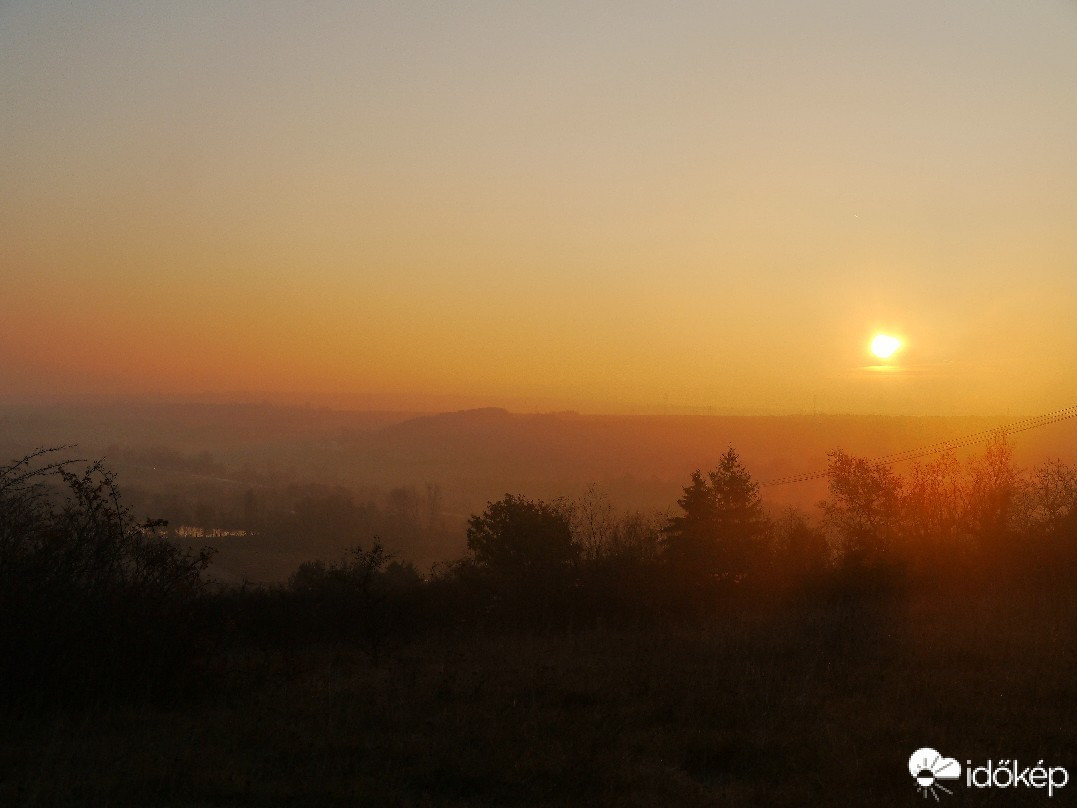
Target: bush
[(92, 602), (367, 599)]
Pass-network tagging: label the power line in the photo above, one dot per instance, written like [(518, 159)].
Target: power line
[(1021, 425)]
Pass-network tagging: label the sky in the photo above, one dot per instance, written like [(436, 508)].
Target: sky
[(608, 207)]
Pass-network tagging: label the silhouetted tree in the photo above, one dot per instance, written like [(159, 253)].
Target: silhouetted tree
[(525, 550), (519, 537), (618, 559), (1048, 506), (601, 533), (992, 496), (1042, 541), (863, 511), (934, 525), (718, 537)]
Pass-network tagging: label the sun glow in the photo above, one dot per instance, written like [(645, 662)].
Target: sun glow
[(884, 346)]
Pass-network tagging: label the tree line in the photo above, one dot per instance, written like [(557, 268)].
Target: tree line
[(93, 600)]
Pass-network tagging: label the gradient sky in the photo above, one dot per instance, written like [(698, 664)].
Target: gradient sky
[(611, 207)]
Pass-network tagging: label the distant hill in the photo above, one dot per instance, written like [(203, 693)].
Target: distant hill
[(649, 457), (476, 455), (199, 463)]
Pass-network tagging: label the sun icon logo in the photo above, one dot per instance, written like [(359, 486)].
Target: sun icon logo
[(928, 767)]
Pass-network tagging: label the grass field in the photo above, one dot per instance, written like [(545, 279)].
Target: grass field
[(819, 704)]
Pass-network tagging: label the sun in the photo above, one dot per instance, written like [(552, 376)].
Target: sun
[(884, 346)]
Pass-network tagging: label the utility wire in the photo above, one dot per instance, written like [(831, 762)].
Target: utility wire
[(1021, 425)]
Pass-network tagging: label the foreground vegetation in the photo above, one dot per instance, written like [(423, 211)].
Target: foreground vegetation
[(574, 656)]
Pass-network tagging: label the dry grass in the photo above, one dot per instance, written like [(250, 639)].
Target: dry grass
[(815, 707)]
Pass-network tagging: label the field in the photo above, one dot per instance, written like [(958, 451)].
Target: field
[(813, 703)]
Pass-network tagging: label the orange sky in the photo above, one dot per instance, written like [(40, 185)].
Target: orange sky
[(606, 207)]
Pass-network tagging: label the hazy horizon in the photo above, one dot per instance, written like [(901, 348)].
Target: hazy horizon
[(430, 404)]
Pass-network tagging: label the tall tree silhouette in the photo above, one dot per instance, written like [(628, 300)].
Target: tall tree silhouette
[(718, 535)]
